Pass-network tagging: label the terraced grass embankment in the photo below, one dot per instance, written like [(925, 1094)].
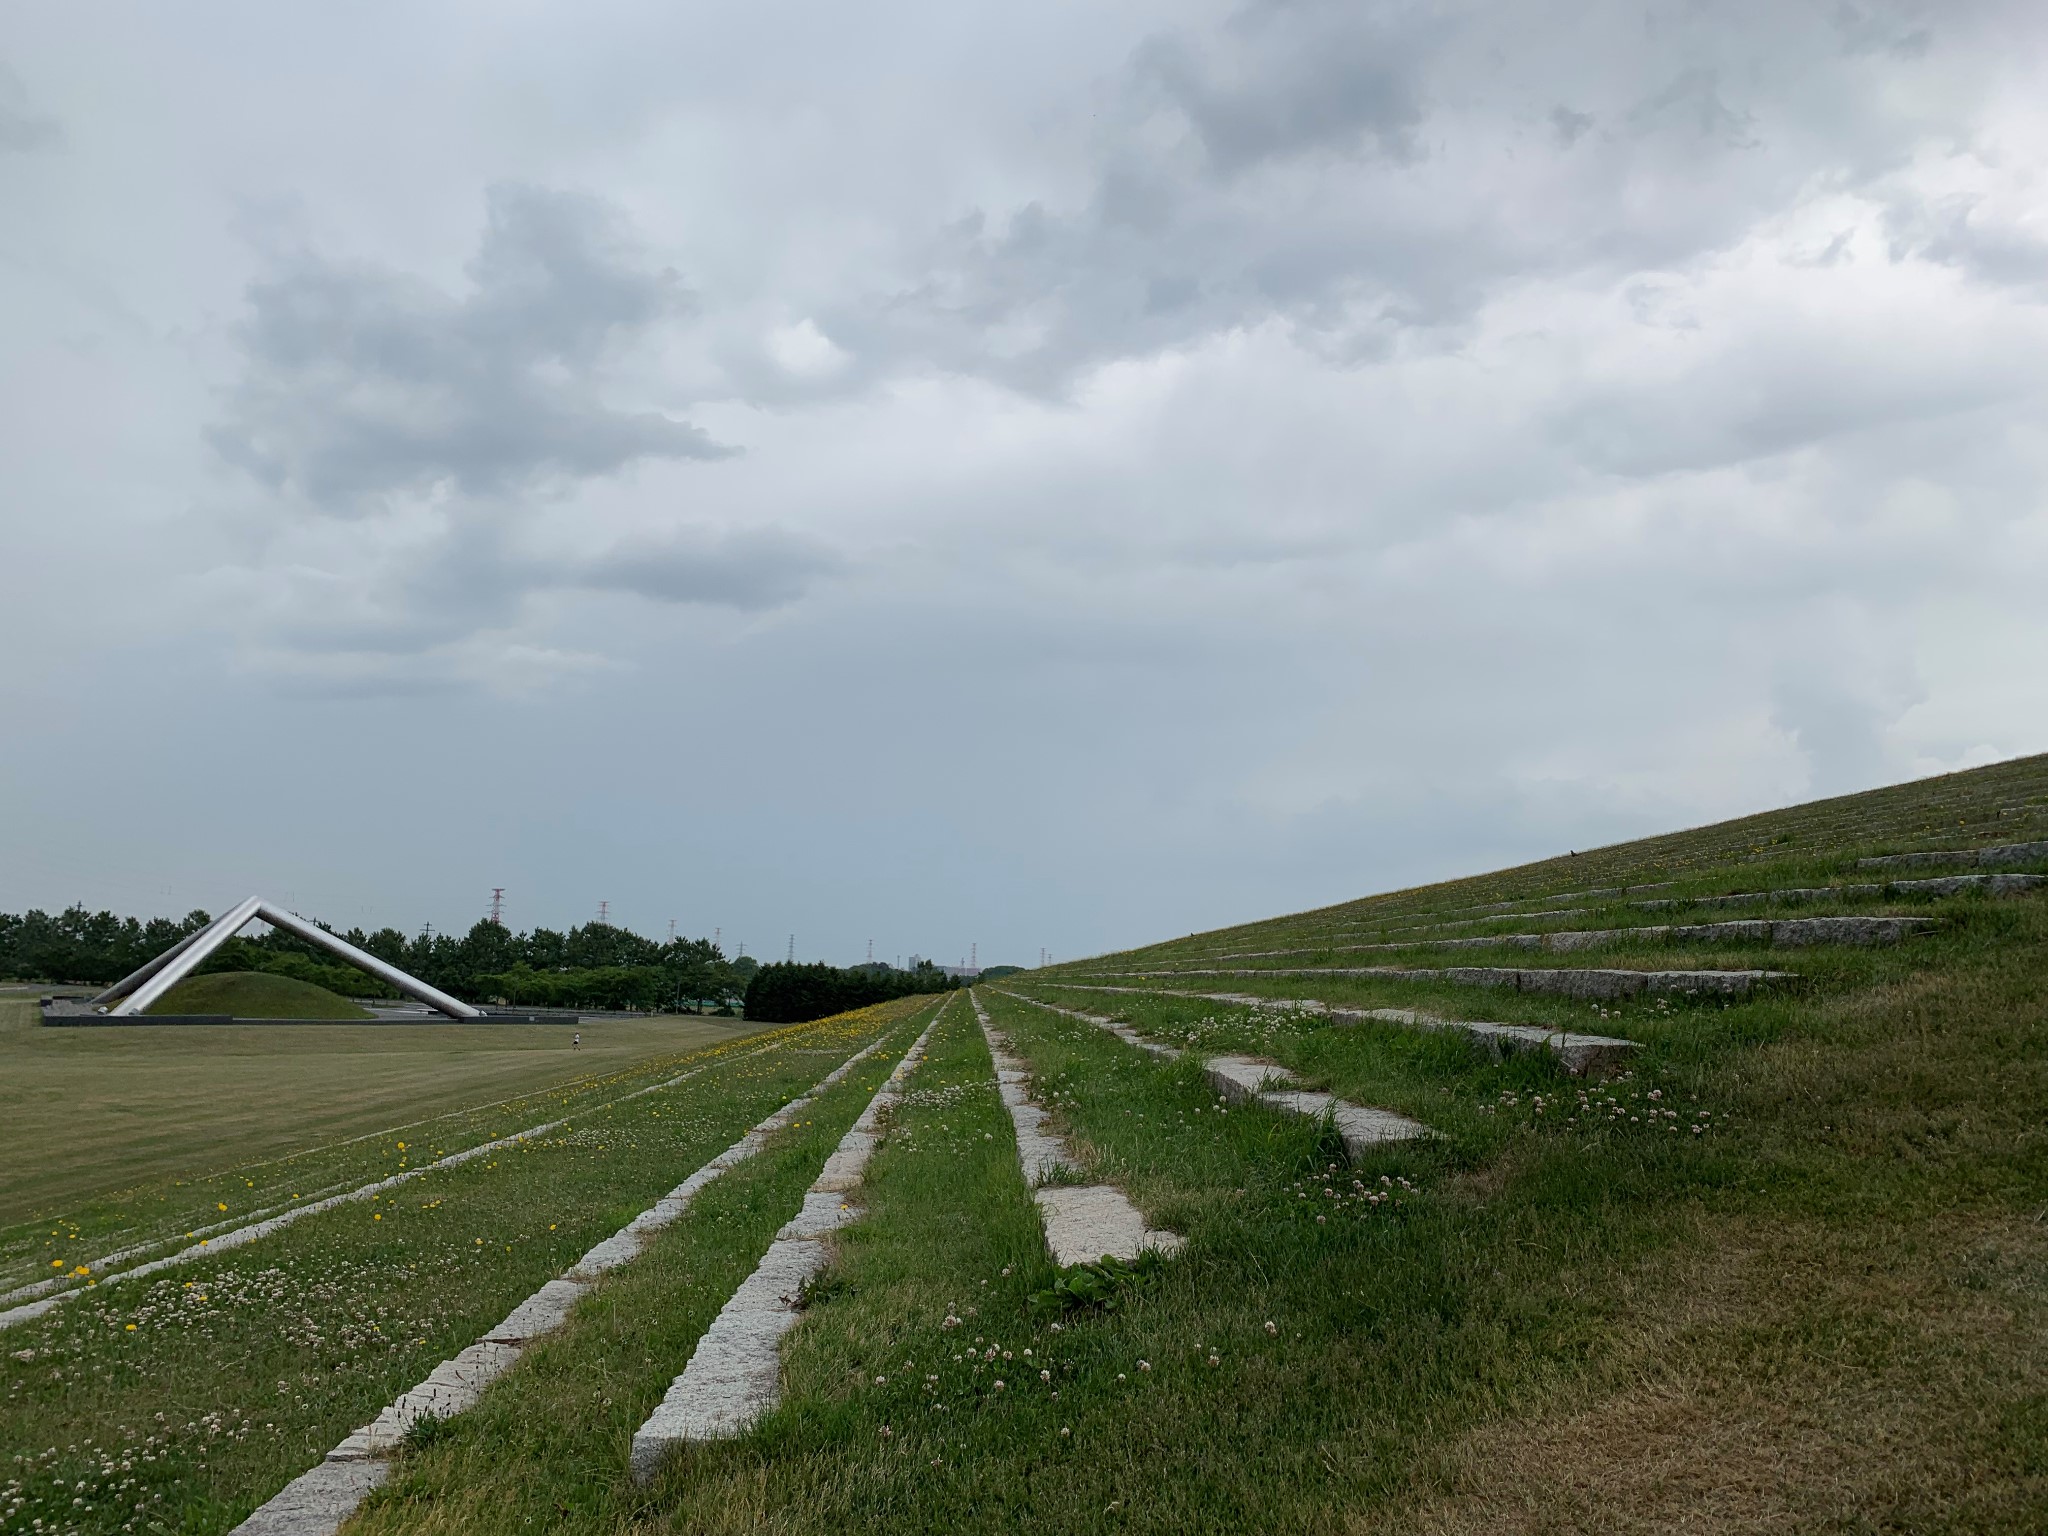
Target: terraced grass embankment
[(1776, 1264)]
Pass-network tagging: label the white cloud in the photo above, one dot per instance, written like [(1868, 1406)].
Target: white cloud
[(1195, 461), (805, 350)]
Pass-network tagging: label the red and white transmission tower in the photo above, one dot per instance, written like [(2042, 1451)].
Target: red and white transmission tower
[(498, 905)]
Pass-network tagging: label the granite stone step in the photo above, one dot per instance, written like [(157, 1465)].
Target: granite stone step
[(320, 1499), (1578, 1054), (734, 1376), (1939, 887), (1083, 1223), (2001, 853), (1250, 1077), (1245, 1079), (1558, 981), (1791, 932)]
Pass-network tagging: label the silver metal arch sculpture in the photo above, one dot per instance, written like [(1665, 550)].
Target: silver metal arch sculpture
[(142, 987)]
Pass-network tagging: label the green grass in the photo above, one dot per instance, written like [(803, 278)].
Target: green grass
[(1824, 1310), (116, 1133), (895, 1420), (219, 1380), (1827, 1310), (255, 995), (550, 1442)]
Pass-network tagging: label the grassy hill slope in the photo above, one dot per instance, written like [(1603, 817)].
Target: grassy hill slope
[(1781, 1266), (256, 995), (1785, 1269)]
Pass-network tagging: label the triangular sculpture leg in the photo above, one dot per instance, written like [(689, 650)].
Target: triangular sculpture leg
[(188, 959), (142, 973), (153, 980), (411, 986)]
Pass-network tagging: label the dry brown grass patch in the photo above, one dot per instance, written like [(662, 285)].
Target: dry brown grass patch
[(1785, 1379)]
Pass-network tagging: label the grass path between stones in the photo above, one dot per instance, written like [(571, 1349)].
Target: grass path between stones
[(181, 1402), (1179, 1410), (734, 1377), (1084, 1223), (549, 1446), (1840, 1298)]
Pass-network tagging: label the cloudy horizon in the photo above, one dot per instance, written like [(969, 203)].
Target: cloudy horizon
[(1031, 480)]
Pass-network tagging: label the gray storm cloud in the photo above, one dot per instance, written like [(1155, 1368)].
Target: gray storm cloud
[(22, 128), (1380, 172), (360, 382), (752, 569), (1282, 449)]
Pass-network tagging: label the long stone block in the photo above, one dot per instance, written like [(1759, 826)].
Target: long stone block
[(452, 1387), (1359, 1127), (734, 1375), (1085, 1224), (1082, 1224), (542, 1312), (1243, 1078), (2001, 853), (1558, 980), (316, 1502), (1116, 1027), (1957, 885), (1576, 1053), (621, 1247), (1797, 931), (824, 1210)]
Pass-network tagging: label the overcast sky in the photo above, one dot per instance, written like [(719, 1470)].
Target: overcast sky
[(1046, 476)]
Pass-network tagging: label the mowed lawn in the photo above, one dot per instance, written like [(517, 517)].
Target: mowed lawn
[(90, 1111)]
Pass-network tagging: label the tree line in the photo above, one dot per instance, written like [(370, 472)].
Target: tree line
[(785, 993), (593, 966)]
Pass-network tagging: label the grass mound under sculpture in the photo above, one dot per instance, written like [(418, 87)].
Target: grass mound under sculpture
[(256, 995)]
